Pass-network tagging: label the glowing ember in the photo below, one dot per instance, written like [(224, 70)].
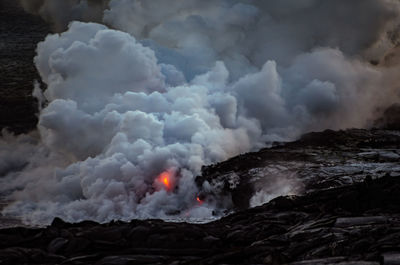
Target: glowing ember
[(199, 200), (165, 179)]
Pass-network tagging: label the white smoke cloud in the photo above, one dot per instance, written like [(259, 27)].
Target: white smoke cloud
[(245, 34), (182, 84), (118, 123)]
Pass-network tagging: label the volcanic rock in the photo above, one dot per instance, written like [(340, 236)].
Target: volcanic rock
[(321, 160), (330, 222)]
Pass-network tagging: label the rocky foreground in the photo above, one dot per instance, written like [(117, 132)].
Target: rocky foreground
[(347, 212)]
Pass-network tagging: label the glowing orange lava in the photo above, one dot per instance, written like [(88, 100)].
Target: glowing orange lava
[(165, 178), (199, 200)]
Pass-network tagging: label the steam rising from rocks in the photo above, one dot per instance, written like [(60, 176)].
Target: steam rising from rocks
[(176, 85)]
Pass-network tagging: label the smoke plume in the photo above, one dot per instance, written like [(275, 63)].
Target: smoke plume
[(165, 87)]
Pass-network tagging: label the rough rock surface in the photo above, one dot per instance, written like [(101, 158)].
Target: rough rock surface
[(359, 222), (317, 161), (356, 221)]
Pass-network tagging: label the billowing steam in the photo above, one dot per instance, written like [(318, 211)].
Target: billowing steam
[(135, 111)]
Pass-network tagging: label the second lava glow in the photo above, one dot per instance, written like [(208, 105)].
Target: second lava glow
[(167, 179)]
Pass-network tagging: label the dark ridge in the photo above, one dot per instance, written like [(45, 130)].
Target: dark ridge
[(360, 222), (349, 214), (19, 34), (316, 161)]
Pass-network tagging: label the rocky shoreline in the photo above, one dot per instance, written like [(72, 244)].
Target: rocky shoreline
[(355, 224), (316, 161), (330, 222)]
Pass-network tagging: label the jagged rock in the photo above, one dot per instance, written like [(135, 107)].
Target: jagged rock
[(391, 258), (316, 161), (359, 221), (17, 255), (312, 228), (139, 233), (350, 214), (77, 245), (131, 259), (335, 260), (57, 244)]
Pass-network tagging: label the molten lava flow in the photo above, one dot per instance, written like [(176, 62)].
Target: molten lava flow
[(199, 200), (165, 179)]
